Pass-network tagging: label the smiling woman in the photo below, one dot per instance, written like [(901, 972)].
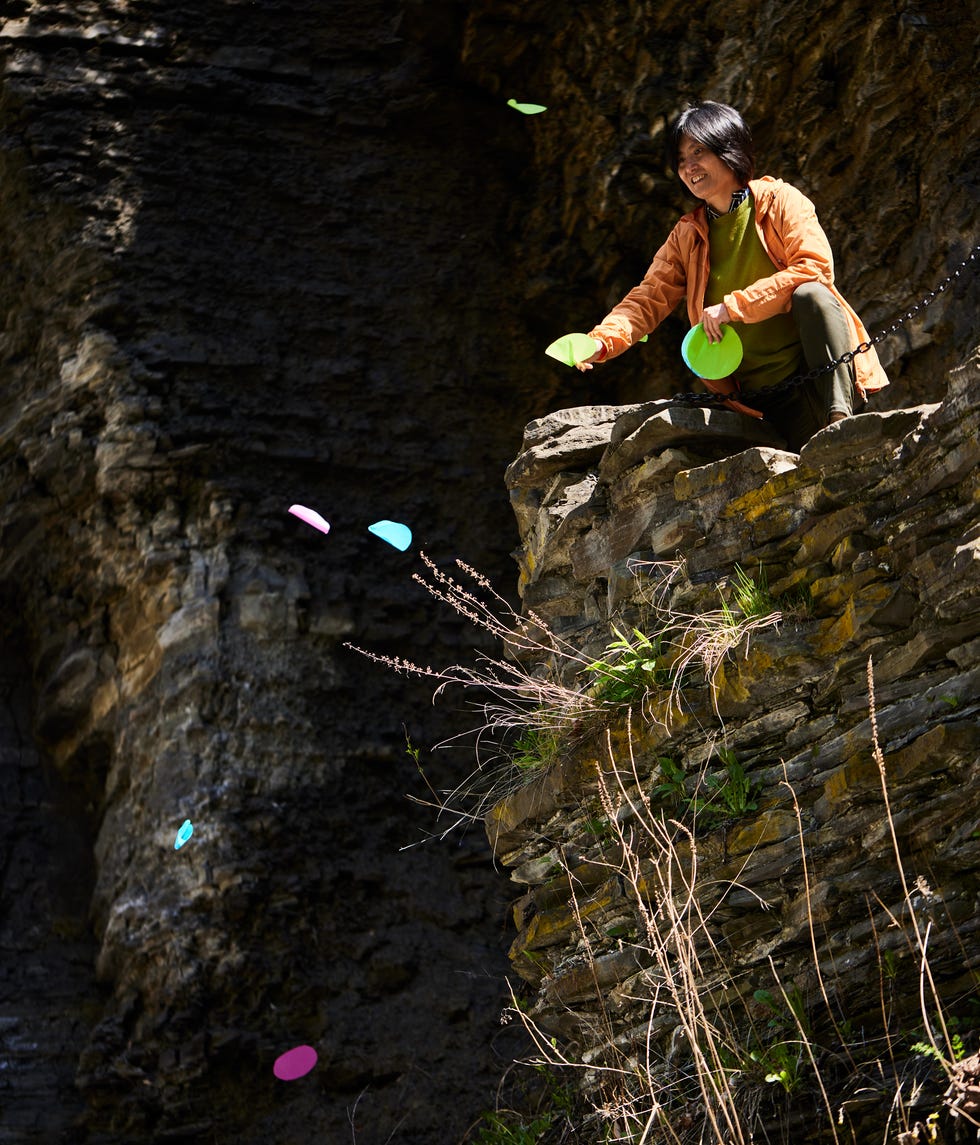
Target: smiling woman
[(705, 175), (752, 255)]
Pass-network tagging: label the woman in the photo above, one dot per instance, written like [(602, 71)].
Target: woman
[(752, 255)]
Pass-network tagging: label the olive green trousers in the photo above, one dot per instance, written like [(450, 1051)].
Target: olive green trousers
[(824, 336)]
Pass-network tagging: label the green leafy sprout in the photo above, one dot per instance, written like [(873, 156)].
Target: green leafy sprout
[(672, 785), (732, 794), (629, 668)]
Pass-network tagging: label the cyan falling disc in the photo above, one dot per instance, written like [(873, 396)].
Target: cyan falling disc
[(391, 531)]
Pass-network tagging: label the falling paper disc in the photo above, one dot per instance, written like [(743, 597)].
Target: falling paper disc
[(526, 108), (391, 531), (185, 832), (310, 517), (712, 359), (294, 1063), (572, 348)]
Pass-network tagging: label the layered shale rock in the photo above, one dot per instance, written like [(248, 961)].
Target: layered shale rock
[(875, 525), (238, 243)]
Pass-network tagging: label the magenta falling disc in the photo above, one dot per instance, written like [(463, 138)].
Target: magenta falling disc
[(294, 1063)]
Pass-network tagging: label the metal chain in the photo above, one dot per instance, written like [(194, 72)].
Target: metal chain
[(694, 399)]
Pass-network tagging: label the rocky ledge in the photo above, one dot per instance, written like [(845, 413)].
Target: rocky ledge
[(767, 838)]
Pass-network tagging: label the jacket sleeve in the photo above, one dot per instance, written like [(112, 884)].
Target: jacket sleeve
[(800, 251), (646, 305)]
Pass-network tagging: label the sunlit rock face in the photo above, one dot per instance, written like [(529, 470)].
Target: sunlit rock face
[(265, 253), (802, 789)]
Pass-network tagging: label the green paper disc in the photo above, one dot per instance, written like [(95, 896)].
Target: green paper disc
[(572, 349), (526, 108), (712, 359)]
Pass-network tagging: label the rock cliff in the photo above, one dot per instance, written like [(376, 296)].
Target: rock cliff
[(258, 253), (236, 274), (738, 828)]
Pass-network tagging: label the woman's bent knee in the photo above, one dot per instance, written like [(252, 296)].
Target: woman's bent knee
[(812, 296)]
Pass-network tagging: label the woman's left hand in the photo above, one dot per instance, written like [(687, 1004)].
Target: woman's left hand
[(713, 318)]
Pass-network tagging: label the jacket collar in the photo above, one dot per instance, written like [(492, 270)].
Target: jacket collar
[(763, 191)]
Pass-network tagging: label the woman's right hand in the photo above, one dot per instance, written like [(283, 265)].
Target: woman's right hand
[(587, 363), (712, 320)]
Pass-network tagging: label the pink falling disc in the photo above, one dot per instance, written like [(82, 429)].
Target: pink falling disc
[(294, 1063), (310, 517)]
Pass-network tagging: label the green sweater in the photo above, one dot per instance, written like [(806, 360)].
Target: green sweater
[(772, 350)]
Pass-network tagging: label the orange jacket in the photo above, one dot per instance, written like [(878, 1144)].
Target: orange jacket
[(793, 238)]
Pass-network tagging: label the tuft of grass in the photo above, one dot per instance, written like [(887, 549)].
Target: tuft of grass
[(707, 639), (635, 666), (527, 711), (751, 595), (512, 699), (535, 750)]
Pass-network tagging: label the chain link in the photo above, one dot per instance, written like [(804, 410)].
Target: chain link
[(694, 399)]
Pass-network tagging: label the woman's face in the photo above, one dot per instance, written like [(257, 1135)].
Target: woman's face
[(705, 175)]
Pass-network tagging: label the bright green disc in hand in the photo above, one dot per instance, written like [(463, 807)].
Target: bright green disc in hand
[(712, 359), (573, 348)]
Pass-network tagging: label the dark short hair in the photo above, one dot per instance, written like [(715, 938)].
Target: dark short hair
[(719, 128)]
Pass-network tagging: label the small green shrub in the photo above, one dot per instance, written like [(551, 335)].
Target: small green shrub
[(629, 668), (672, 786), (599, 828), (732, 794), (924, 1049), (956, 1048), (555, 1103), (781, 1020), (736, 790), (782, 1063)]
